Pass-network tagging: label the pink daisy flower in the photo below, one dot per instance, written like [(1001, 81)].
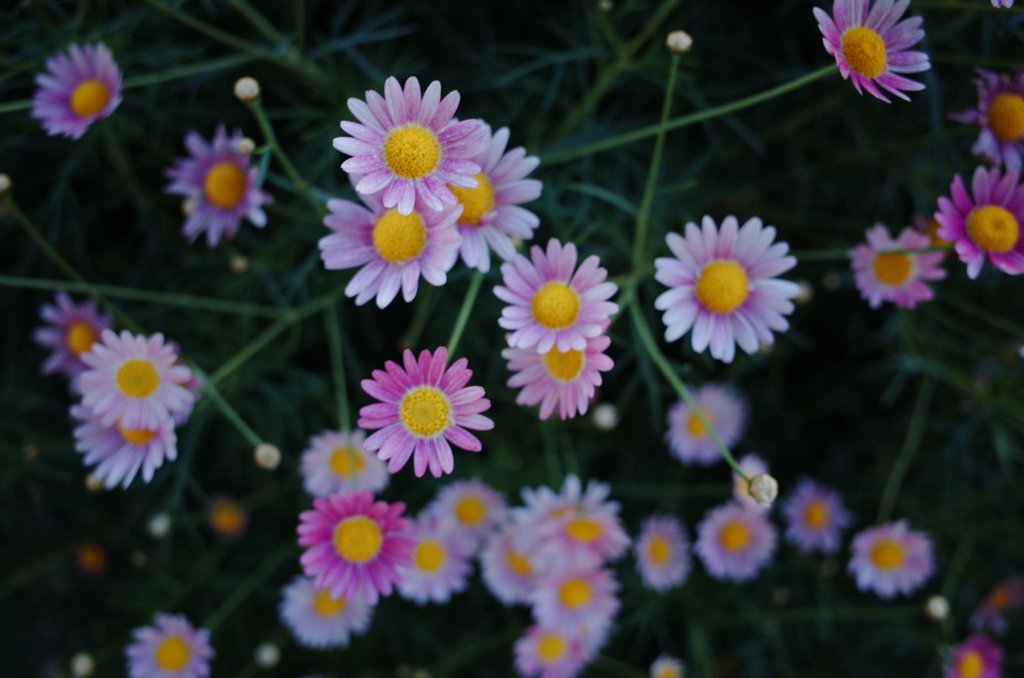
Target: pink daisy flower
[(687, 438), (898, 278), (662, 553), (470, 507), (355, 545), (891, 559), (666, 666), (551, 302), (394, 250), (871, 47), (117, 452), (723, 286), (440, 564), (319, 621), (735, 542), (990, 615), (337, 463), (751, 465), (815, 517), (507, 571), (549, 653), (576, 598), (80, 87), (976, 657), (1000, 114), (423, 408), (988, 225), (409, 148), (491, 214), (134, 380), (171, 648), (221, 186), (71, 331)]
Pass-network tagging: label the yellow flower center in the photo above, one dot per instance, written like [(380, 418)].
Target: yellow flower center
[(563, 366), (412, 151), (1006, 116), (89, 98), (358, 539), (227, 518), (667, 672), (138, 436), (325, 606), (970, 665), (695, 428), (341, 464), (476, 202), (992, 228), (225, 185), (734, 536), (429, 555), (470, 510), (172, 653), (658, 550), (550, 647), (887, 554), (555, 306), (80, 338), (721, 287), (931, 230), (574, 592), (137, 378), (583, 529), (518, 563), (864, 51), (892, 269), (398, 237), (816, 514), (999, 599), (424, 411)]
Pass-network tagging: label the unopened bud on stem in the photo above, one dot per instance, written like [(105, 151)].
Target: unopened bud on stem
[(679, 42), (267, 456), (764, 489), (247, 89)]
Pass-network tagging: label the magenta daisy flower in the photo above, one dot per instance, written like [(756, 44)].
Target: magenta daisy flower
[(891, 559), (1000, 114), (551, 302), (81, 86), (491, 214), (723, 286), (976, 657), (409, 148), (576, 598), (815, 517), (988, 225), (507, 570), (71, 331), (990, 615), (751, 465), (471, 507), (355, 545), (898, 278), (667, 667), (549, 653), (171, 648), (871, 47), (319, 621), (423, 408), (735, 542), (117, 452), (394, 250), (134, 380), (662, 553), (338, 463), (440, 562), (221, 185), (563, 378), (687, 438)]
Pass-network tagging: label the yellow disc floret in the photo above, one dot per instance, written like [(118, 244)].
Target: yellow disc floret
[(138, 436), (225, 185), (470, 510), (721, 287), (563, 366), (574, 592), (971, 665), (137, 378), (887, 554), (343, 460), (659, 550), (227, 518), (518, 563), (555, 306), (424, 411), (1006, 117), (412, 151), (892, 269), (172, 654), (816, 514), (399, 238), (993, 228), (734, 536), (583, 529), (325, 606), (80, 338), (429, 555), (1000, 598), (89, 98), (694, 427), (476, 202), (864, 51), (358, 539), (550, 647)]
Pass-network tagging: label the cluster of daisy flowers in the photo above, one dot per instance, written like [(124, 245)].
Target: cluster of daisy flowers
[(978, 656)]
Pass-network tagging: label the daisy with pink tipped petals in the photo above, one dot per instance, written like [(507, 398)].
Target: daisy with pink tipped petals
[(80, 87), (440, 564), (471, 507), (549, 653), (662, 553), (891, 559), (723, 286), (337, 462), (987, 225), (355, 545), (687, 438), (976, 657), (735, 542), (870, 47), (424, 409), (506, 570), (815, 517), (751, 465), (577, 598), (171, 648), (898, 277), (71, 331), (408, 147), (1000, 114), (118, 452), (990, 615), (551, 302), (319, 621)]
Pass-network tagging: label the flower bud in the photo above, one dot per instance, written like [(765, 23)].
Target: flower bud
[(82, 665), (605, 5), (239, 263), (679, 42), (93, 483), (937, 608), (606, 417), (764, 489), (267, 655), (189, 205), (159, 525), (247, 89), (267, 456), (805, 294), (5, 183), (246, 146)]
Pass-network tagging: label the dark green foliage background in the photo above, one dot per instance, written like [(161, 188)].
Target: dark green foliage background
[(832, 399)]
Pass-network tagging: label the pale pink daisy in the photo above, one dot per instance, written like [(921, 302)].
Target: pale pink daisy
[(735, 542), (662, 553), (337, 462), (319, 621), (1000, 114), (580, 598), (440, 564), (871, 47), (891, 559), (987, 226), (899, 278), (491, 214), (409, 148), (80, 87), (549, 653), (990, 615), (723, 286), (355, 545), (815, 517), (134, 380), (751, 465), (423, 408), (506, 569), (71, 330), (171, 648), (471, 507), (666, 666), (687, 438), (118, 452), (1002, 3), (551, 302), (976, 657)]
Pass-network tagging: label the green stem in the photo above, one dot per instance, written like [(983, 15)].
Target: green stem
[(245, 589), (467, 306), (212, 31), (915, 430), (301, 185), (229, 412), (257, 20), (338, 368)]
